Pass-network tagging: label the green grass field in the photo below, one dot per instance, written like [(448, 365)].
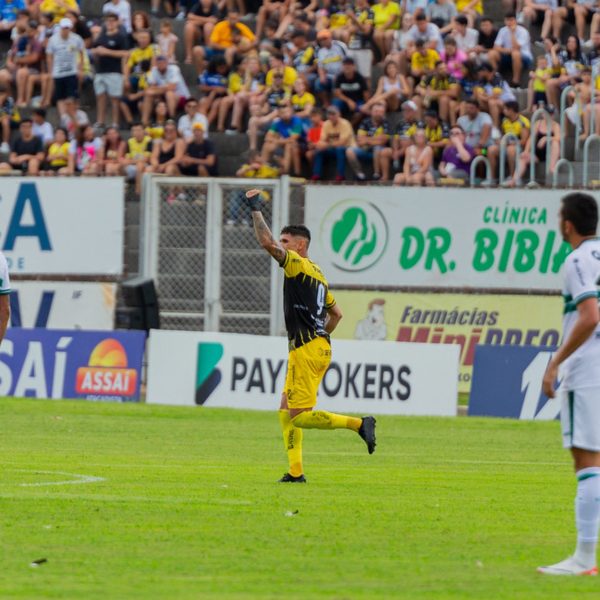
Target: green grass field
[(188, 507)]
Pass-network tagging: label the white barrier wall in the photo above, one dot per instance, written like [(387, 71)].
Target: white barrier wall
[(62, 225), (62, 305), (390, 236), (244, 371)]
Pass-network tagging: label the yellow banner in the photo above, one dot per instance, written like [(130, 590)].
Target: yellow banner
[(467, 320)]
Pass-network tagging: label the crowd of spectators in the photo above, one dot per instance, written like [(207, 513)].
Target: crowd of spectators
[(408, 91)]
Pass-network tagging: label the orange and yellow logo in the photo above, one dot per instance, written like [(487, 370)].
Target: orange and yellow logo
[(107, 373)]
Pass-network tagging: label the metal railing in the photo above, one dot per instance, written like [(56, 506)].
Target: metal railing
[(571, 173), (488, 169), (506, 139), (595, 74), (586, 158), (563, 121), (540, 113)]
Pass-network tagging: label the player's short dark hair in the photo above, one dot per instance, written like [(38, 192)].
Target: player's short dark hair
[(512, 105), (581, 210), (511, 14), (297, 230)]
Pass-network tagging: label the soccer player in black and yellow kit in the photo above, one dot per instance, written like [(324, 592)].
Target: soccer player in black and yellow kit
[(311, 314)]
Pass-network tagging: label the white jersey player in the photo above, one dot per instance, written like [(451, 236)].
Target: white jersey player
[(4, 296), (579, 361)]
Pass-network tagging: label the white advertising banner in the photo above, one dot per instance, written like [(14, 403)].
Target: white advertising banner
[(391, 236), (245, 371), (66, 225), (62, 305)]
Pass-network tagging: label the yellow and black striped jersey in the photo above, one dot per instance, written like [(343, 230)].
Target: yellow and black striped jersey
[(306, 299)]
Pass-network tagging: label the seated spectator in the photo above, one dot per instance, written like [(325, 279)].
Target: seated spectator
[(336, 136), (213, 87), (571, 61), (577, 12), (137, 155), (109, 49), (437, 91), (457, 156), (122, 9), (392, 89), (405, 128), (517, 127), (58, 8), (330, 55), (539, 12), (83, 153), (512, 49), (403, 44), (167, 152), (313, 135), (249, 95), (264, 108), (472, 9), (227, 38), (187, 121), (8, 115), (57, 155), (582, 98), (27, 151), (426, 32), (270, 9), (441, 13), (539, 137), (492, 92), (302, 56), (339, 21), (361, 31), (257, 168), (8, 16), (112, 153), (386, 20), (73, 118), (350, 91), (422, 61), (437, 134), (453, 57), (41, 127), (199, 23), (165, 82), (372, 144), (199, 157), (418, 163), (64, 54), (303, 102), (160, 117), (284, 138), (468, 82), (466, 37), (477, 127), (486, 38)]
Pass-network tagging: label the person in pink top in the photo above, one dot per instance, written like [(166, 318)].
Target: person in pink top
[(453, 57)]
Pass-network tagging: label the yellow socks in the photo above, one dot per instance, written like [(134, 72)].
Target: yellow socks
[(292, 442), (321, 419)]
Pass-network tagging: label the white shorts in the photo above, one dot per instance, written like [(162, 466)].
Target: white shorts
[(580, 419), (108, 83)]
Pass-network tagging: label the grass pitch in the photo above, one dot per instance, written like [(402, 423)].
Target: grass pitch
[(188, 507)]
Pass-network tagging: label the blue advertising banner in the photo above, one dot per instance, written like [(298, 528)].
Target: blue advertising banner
[(507, 382), (94, 365)]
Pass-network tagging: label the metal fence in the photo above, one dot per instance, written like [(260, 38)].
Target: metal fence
[(197, 242)]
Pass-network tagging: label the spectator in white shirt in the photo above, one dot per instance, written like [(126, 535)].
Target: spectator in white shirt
[(122, 9), (164, 82), (189, 119), (512, 49), (41, 127), (540, 12), (428, 32), (466, 37)]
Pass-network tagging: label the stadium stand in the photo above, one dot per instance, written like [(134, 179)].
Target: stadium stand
[(443, 57)]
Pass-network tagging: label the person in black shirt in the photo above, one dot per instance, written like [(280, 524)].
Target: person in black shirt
[(27, 152), (199, 157), (110, 47), (350, 91), (198, 25), (487, 38)]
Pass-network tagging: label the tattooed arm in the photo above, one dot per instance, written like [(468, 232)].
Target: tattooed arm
[(261, 229)]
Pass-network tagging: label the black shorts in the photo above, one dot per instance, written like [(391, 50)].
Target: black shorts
[(192, 171), (66, 87), (539, 17), (539, 97), (571, 16)]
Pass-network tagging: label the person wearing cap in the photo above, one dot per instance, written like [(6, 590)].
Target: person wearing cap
[(405, 128), (109, 49), (350, 91), (330, 55), (199, 157), (337, 136), (65, 59), (165, 82), (372, 144), (386, 20)]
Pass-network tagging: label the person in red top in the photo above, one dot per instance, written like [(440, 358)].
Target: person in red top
[(313, 135)]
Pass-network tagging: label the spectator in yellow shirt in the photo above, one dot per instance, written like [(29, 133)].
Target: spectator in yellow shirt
[(337, 136), (423, 60), (58, 8), (472, 9), (386, 20), (278, 66)]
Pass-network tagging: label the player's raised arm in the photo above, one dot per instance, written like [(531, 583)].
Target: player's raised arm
[(254, 199)]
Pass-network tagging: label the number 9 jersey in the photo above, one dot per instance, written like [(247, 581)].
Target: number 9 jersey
[(306, 299)]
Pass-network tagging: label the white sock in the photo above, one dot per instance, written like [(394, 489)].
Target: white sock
[(587, 515)]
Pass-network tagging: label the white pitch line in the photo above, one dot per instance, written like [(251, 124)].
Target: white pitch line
[(79, 479)]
